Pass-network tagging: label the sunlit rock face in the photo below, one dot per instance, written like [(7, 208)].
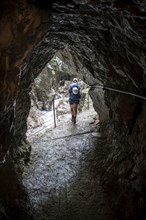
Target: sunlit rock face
[(106, 43)]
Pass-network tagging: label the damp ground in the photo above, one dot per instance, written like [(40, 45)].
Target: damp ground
[(62, 178)]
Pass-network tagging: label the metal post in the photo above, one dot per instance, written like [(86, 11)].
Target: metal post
[(54, 113), (88, 100)]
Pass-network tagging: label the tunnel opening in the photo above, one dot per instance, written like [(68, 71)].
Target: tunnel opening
[(48, 104), (61, 158), (96, 71), (109, 41)]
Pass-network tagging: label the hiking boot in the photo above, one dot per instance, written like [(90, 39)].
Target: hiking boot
[(74, 120)]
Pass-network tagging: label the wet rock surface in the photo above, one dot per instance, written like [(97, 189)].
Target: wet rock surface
[(106, 43), (62, 178)]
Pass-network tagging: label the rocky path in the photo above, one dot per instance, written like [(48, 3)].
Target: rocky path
[(62, 179)]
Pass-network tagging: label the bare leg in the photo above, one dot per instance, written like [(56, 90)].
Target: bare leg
[(71, 109), (75, 109), (72, 112)]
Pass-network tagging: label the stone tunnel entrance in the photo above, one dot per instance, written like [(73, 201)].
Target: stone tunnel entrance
[(48, 90), (60, 177), (118, 122), (106, 41)]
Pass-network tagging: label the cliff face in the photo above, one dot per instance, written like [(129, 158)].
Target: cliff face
[(106, 43)]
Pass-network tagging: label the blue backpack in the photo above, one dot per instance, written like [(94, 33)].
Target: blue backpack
[(74, 91)]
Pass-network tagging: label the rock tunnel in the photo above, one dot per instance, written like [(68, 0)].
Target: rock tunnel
[(105, 41)]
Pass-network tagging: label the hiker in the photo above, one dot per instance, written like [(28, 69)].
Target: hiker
[(74, 98)]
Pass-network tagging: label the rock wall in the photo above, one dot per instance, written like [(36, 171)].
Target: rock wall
[(22, 25), (106, 40)]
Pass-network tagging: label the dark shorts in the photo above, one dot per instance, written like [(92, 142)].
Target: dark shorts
[(73, 101)]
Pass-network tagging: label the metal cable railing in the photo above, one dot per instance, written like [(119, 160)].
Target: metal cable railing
[(95, 86)]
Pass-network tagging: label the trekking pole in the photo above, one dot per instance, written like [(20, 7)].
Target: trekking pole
[(54, 113)]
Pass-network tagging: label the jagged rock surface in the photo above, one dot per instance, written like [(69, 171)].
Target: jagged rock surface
[(106, 41)]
